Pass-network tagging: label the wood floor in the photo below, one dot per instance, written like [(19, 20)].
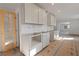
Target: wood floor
[(12, 52), (66, 46)]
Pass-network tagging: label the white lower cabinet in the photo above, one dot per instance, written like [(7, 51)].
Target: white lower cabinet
[(25, 43), (36, 44), (45, 39), (51, 35), (35, 49), (31, 44)]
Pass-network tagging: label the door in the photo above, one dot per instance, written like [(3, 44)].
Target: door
[(8, 30)]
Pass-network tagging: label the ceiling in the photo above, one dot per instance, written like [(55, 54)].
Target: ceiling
[(63, 11), (9, 6)]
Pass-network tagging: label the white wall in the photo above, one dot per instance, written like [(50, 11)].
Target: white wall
[(74, 26)]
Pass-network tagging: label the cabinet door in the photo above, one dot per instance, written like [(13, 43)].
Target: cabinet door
[(22, 14), (44, 17), (40, 16), (48, 19), (34, 13), (31, 13), (36, 49), (48, 37), (52, 20), (25, 44), (45, 39), (28, 13), (51, 35)]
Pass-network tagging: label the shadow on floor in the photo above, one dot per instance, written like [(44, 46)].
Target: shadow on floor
[(12, 52)]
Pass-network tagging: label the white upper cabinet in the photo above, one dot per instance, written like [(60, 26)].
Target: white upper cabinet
[(35, 10), (31, 13), (51, 19), (48, 19), (36, 15), (54, 20), (28, 13), (42, 16)]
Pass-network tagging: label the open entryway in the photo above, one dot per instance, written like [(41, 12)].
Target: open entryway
[(7, 30)]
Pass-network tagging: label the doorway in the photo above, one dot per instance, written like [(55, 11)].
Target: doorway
[(7, 30)]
